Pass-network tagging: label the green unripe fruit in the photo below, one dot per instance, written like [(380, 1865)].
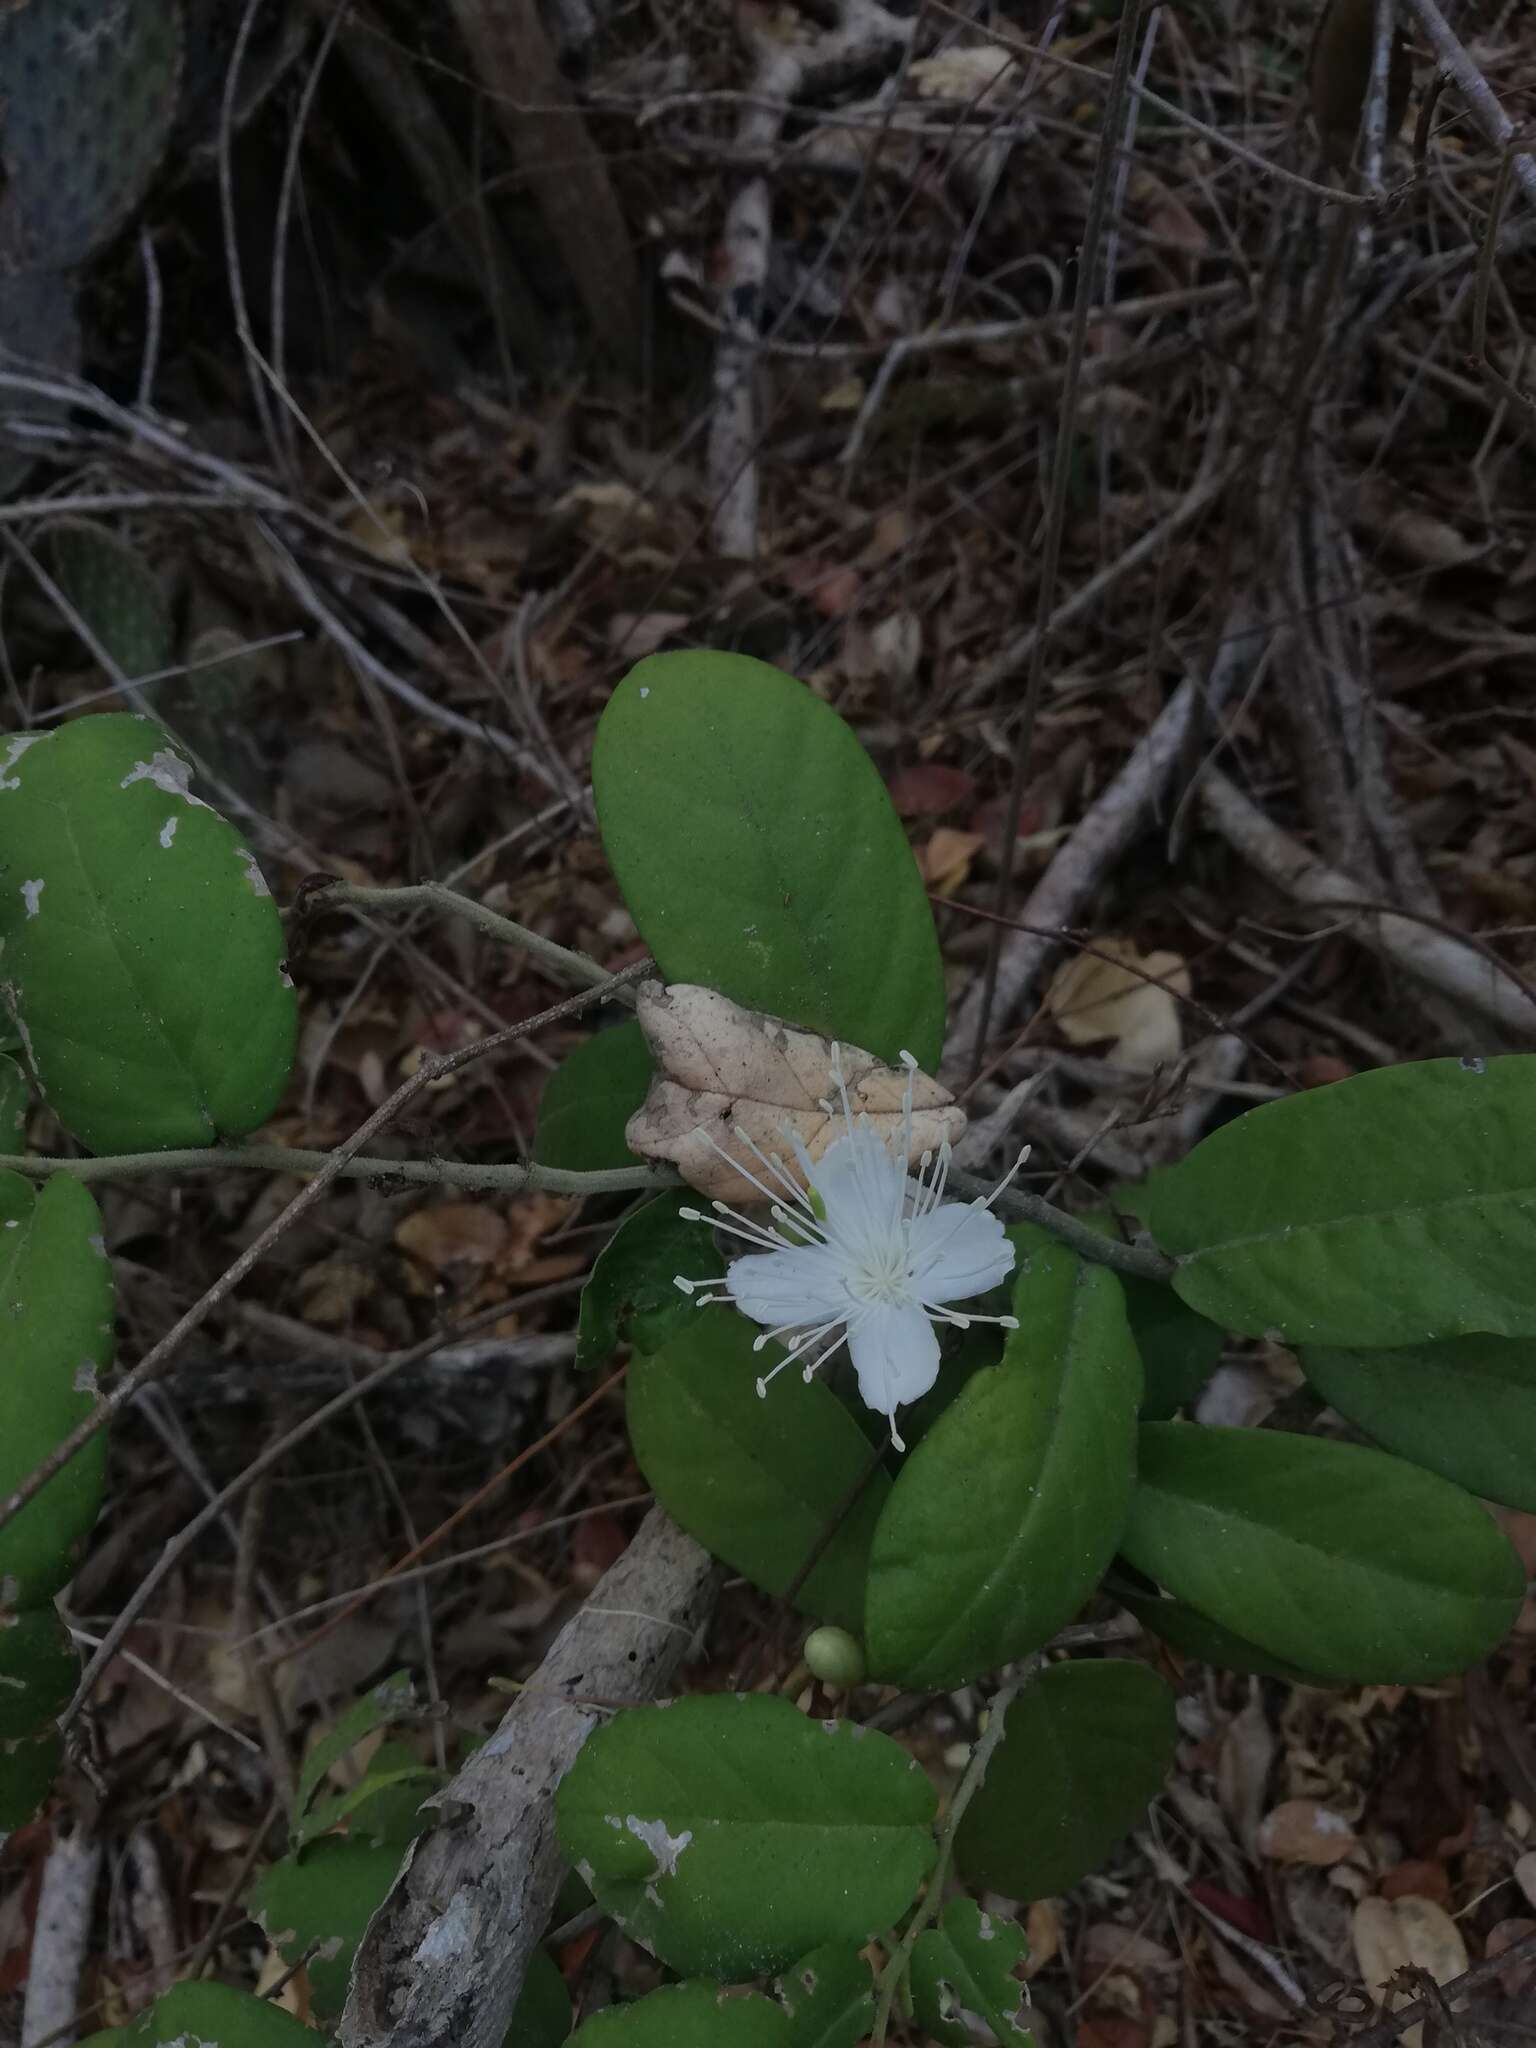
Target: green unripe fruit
[(835, 1657)]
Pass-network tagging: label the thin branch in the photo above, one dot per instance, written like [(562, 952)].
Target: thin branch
[(156, 1361), (515, 1179), (187, 1538), (1479, 95), (579, 968), (1056, 502), (1141, 1262), (896, 1970), (1442, 958)]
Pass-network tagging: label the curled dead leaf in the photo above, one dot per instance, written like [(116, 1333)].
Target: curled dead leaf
[(1305, 1831), (1400, 1934), (450, 1234), (727, 1074), (1119, 993)]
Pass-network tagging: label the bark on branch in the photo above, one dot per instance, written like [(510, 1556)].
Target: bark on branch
[(443, 1960)]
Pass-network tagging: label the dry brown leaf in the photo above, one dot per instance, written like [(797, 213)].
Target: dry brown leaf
[(1394, 1935), (1305, 1831), (946, 859), (1107, 1947), (1417, 536), (1118, 993), (452, 1234), (1042, 1928), (331, 1292), (723, 1069), (962, 74), (1525, 1875)]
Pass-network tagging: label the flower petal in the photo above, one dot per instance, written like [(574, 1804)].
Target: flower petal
[(895, 1352), (956, 1251), (782, 1289), (861, 1186)]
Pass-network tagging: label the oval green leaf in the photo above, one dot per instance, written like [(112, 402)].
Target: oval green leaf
[(55, 1340), (542, 2016), (688, 2016), (829, 1998), (1196, 1636), (324, 1901), (731, 1835), (632, 1296), (27, 1770), (1339, 1560), (1465, 1409), (38, 1670), (1398, 1207), (756, 1480), (966, 1965), (15, 1097), (218, 2017), (1006, 1514), (590, 1097), (760, 855), (1084, 1750), (143, 954)]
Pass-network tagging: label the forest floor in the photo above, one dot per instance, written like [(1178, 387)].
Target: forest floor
[(393, 556)]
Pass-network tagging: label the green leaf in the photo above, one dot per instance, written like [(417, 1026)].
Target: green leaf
[(1005, 1516), (688, 2016), (55, 1340), (542, 2016), (38, 1670), (760, 855), (15, 1098), (829, 1998), (1084, 1749), (965, 1965), (1465, 1409), (216, 2016), (632, 1296), (731, 1834), (1394, 1208), (143, 954), (589, 1099), (1340, 1560), (27, 1771), (392, 1699), (756, 1480), (327, 1897), (387, 1808), (1179, 1349), (1195, 1635)]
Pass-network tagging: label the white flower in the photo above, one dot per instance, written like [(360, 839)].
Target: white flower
[(876, 1258)]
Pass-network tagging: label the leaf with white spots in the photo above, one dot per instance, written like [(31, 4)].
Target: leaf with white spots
[(733, 1081), (14, 1099), (143, 956), (829, 1998), (732, 1834), (963, 1970)]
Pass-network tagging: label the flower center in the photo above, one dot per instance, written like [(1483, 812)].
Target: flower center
[(882, 1276)]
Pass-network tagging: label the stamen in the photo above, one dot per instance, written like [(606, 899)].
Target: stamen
[(735, 1165)]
